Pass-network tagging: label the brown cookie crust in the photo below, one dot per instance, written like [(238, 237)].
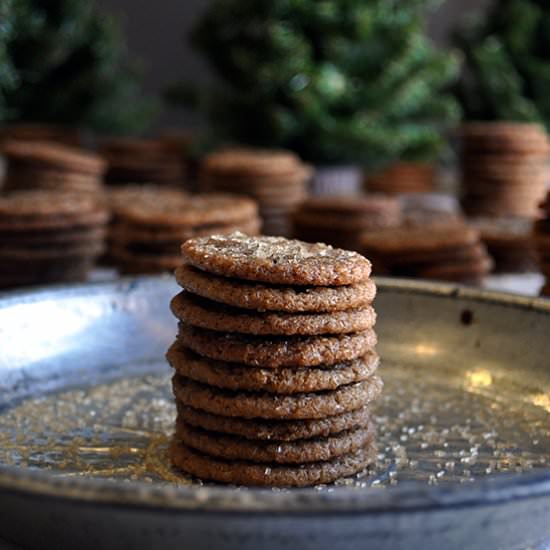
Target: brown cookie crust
[(276, 260), (233, 376), (230, 447), (277, 351), (265, 405), (262, 297), (203, 313), (282, 430), (247, 473)]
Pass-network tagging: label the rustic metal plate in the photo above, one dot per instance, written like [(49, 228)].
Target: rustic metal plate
[(86, 413)]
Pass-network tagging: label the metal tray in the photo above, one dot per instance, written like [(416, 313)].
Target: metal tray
[(85, 414)]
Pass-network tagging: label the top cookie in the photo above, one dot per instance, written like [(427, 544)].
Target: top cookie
[(54, 155), (185, 210), (276, 260), (41, 209), (249, 162)]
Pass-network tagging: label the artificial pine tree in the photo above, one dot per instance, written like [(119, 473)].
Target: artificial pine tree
[(68, 67), (507, 69), (338, 81)]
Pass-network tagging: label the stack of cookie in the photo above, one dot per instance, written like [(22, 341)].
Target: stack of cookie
[(132, 160), (504, 170), (509, 242), (447, 251), (49, 236), (340, 220), (51, 166), (151, 223), (542, 243), (277, 180), (275, 362), (403, 177)]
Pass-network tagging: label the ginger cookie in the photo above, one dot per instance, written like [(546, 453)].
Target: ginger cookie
[(242, 163), (233, 376), (275, 352), (53, 155), (190, 210), (281, 430), (203, 313), (276, 260), (271, 406), (246, 473), (230, 447), (261, 297), (48, 210)]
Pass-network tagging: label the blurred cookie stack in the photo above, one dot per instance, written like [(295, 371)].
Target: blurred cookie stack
[(49, 236), (51, 166), (504, 169), (340, 220), (132, 160), (403, 177), (509, 242), (542, 242), (42, 132), (150, 223), (447, 251), (273, 384), (277, 180)]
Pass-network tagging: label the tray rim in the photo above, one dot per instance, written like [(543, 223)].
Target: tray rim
[(411, 496)]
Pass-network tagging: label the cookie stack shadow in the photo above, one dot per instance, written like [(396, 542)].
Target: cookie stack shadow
[(51, 166), (276, 180), (275, 366), (504, 169), (49, 236), (542, 243), (150, 223)]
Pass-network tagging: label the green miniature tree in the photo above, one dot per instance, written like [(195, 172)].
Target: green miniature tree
[(68, 67), (507, 69), (341, 81)]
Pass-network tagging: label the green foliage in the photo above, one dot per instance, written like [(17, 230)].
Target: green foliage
[(7, 79), (68, 67), (335, 80), (507, 71)]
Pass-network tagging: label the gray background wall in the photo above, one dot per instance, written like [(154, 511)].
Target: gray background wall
[(156, 33)]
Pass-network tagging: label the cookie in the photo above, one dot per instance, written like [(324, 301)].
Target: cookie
[(276, 260), (203, 313), (246, 473), (282, 381), (458, 271), (243, 162), (41, 209), (281, 430), (189, 210), (53, 155), (315, 405), (419, 239), (230, 447), (261, 297), (130, 233), (277, 351)]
